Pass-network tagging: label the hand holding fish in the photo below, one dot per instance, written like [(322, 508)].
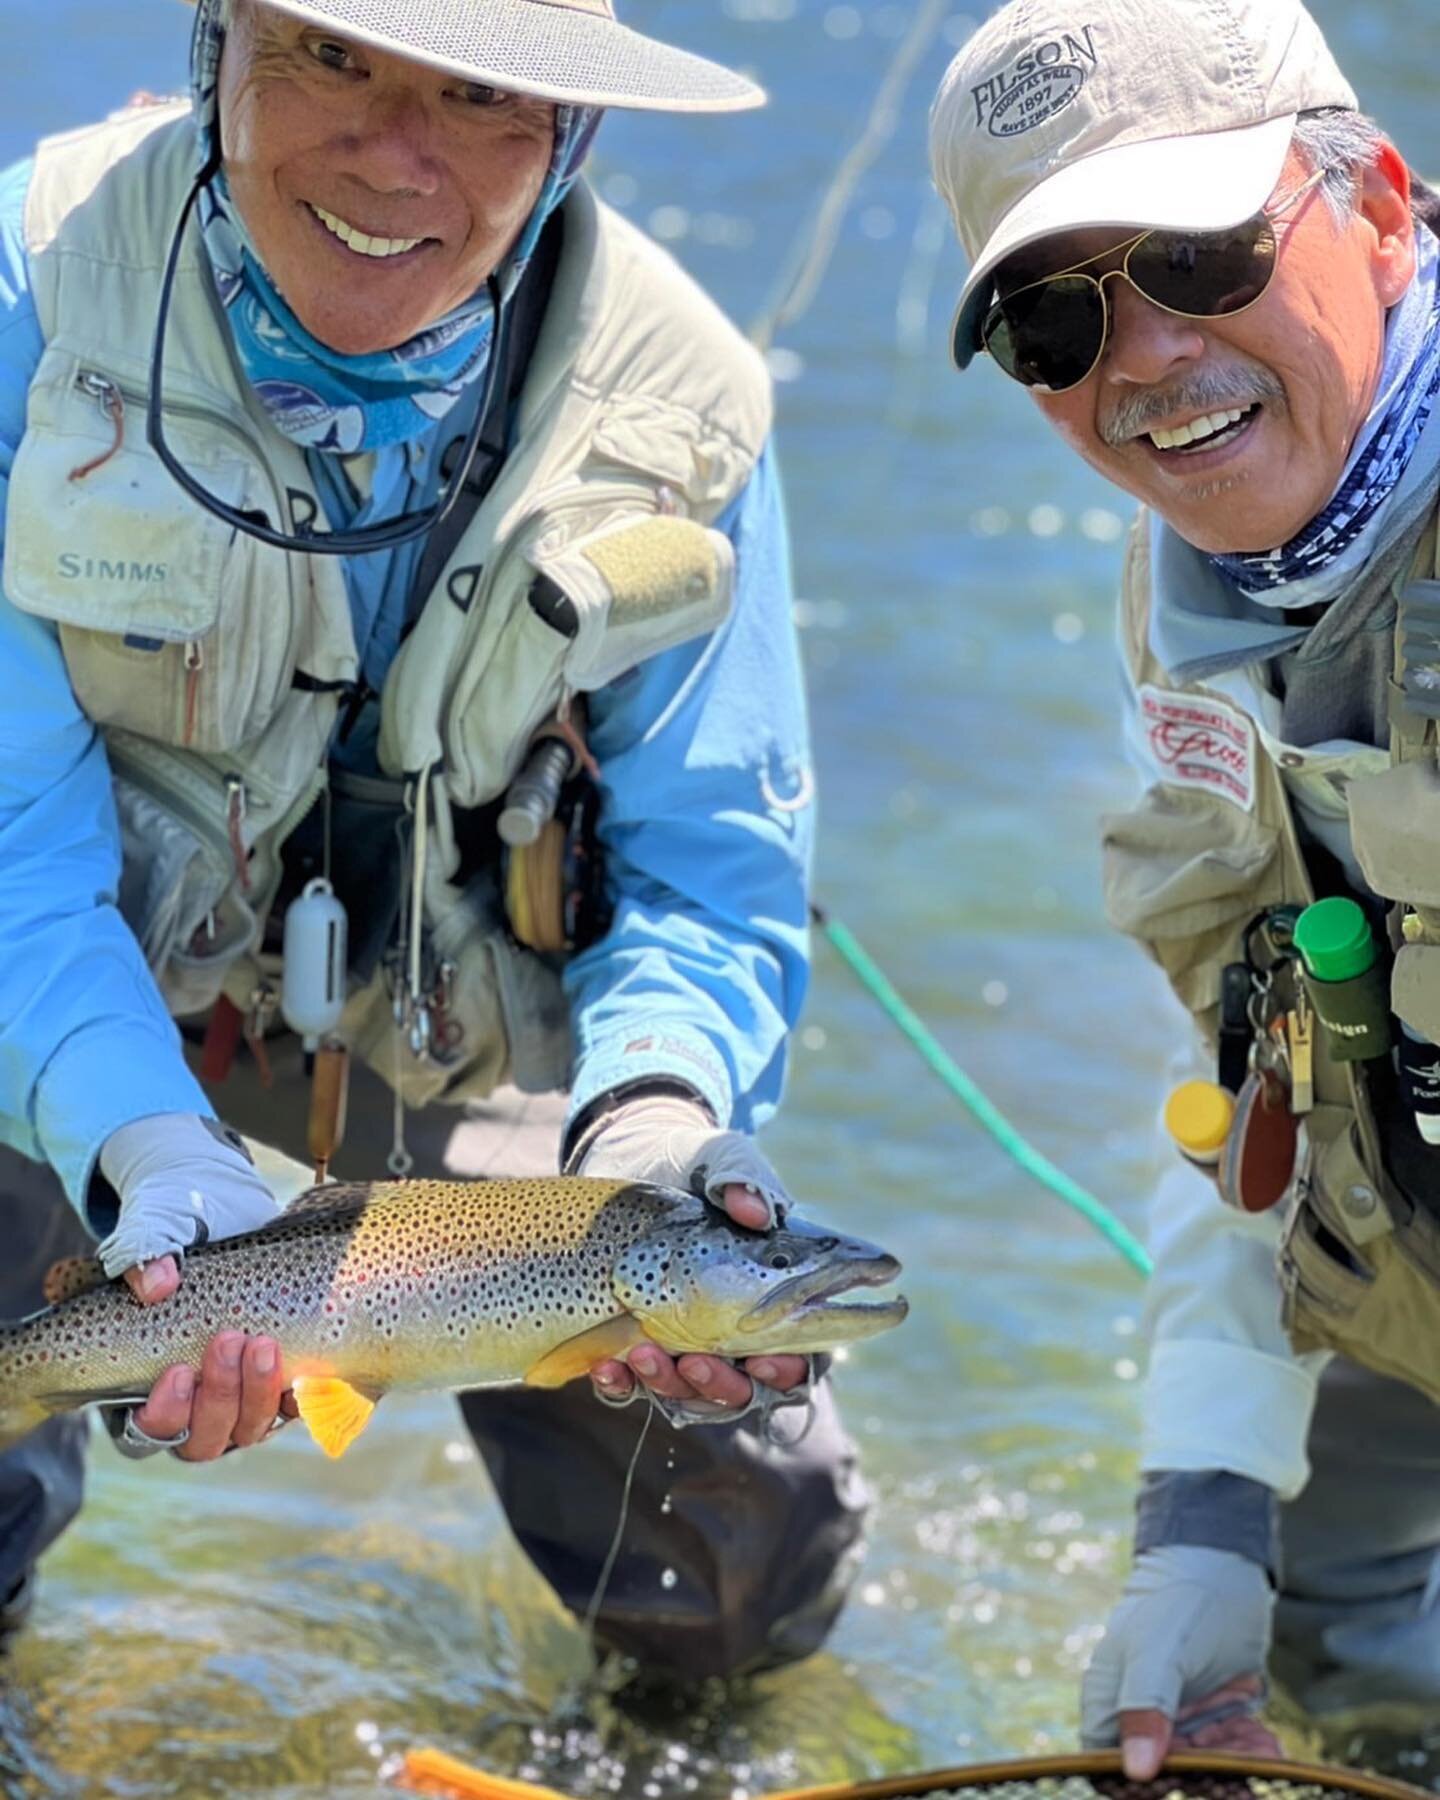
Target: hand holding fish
[(673, 1142), (182, 1181), (235, 1402)]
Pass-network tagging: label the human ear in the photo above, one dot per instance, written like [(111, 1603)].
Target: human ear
[(1385, 208)]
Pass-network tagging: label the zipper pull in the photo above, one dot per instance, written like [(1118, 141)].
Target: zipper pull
[(234, 820), (194, 663), (102, 389)]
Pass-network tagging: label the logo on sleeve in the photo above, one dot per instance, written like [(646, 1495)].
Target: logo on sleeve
[(1037, 85), (1198, 742)]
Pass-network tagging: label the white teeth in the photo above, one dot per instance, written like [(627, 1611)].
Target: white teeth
[(355, 239), (1206, 426)]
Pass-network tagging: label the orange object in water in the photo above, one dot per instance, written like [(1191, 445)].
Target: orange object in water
[(433, 1772)]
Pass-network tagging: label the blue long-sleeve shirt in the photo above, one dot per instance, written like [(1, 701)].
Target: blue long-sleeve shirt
[(705, 820)]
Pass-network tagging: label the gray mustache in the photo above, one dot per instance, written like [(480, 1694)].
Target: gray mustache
[(1208, 390)]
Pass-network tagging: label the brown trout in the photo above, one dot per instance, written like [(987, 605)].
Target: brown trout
[(383, 1286)]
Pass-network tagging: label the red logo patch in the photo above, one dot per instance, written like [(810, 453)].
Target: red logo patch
[(1202, 743)]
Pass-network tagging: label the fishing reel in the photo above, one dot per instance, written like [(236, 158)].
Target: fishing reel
[(552, 870)]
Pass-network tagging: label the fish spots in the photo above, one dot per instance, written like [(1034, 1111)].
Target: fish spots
[(406, 1284)]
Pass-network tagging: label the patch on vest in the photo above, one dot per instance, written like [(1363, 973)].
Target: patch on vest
[(1201, 743)]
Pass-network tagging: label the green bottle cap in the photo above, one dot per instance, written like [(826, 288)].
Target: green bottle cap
[(1334, 938)]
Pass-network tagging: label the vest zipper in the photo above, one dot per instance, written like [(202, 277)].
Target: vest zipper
[(112, 398), (112, 404), (194, 663), (235, 800), (214, 810)]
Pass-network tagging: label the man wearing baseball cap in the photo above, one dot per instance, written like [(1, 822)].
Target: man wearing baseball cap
[(1216, 278), (393, 551)]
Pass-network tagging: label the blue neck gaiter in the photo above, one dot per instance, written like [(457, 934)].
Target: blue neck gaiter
[(1378, 463), (314, 395)]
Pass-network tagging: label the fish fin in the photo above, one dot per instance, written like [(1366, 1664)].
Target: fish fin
[(70, 1276), (433, 1772), (578, 1355), (17, 1417), (335, 1412)]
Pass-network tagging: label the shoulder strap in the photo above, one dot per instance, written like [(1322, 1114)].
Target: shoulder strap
[(527, 315)]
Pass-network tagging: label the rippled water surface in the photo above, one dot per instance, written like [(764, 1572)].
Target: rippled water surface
[(275, 1626)]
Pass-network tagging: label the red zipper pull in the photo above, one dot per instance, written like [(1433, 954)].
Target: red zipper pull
[(194, 663), (234, 819)]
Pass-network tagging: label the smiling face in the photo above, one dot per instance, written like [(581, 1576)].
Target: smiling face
[(1236, 430), (379, 193)]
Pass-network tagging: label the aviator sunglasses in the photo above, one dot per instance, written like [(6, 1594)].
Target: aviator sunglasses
[(1051, 333)]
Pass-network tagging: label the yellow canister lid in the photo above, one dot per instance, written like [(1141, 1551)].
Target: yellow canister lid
[(1198, 1115)]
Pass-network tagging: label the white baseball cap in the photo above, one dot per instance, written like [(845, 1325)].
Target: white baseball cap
[(574, 52), (1060, 115)]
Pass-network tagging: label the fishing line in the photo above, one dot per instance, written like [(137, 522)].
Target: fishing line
[(592, 1611), (798, 286), (987, 1115)]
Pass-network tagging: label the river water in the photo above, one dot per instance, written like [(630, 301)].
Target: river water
[(277, 1627)]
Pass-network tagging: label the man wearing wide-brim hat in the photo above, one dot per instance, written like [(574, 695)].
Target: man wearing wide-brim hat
[(399, 664), (1220, 284)]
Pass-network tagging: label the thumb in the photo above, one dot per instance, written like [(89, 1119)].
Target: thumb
[(1145, 1735), (152, 1282), (747, 1206)]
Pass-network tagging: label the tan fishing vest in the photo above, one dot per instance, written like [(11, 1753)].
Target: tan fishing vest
[(214, 664), (1186, 871)]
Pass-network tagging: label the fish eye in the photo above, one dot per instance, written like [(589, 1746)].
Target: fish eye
[(778, 1260)]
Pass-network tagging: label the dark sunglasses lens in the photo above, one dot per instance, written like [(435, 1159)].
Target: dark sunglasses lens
[(1049, 335), (1205, 274)]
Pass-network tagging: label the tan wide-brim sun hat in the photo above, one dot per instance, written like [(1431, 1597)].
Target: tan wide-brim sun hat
[(574, 52)]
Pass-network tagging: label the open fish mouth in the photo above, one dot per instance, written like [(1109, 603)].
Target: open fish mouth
[(817, 1296)]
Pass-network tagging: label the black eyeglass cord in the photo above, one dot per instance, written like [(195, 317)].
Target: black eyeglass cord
[(388, 534)]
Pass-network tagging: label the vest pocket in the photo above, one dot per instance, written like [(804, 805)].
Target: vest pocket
[(1374, 1303), (1319, 1271), (177, 894), (173, 625), (1184, 878), (509, 686)]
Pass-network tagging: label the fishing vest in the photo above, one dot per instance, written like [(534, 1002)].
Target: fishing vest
[(214, 665), (1189, 868)]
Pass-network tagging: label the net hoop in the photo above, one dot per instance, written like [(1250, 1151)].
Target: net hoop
[(1107, 1762)]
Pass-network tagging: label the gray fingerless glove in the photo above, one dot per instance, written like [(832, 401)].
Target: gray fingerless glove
[(181, 1180), (1191, 1620), (674, 1143)]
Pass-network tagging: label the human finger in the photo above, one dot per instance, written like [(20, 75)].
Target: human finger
[(1239, 1696), (154, 1281), (1240, 1736), (715, 1379), (217, 1400), (658, 1373), (1145, 1734), (167, 1412), (612, 1379), (262, 1382), (780, 1372), (746, 1206)]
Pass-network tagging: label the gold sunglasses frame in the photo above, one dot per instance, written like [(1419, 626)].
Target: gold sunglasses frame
[(1267, 216)]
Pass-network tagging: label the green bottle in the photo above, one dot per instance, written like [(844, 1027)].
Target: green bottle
[(1344, 979)]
